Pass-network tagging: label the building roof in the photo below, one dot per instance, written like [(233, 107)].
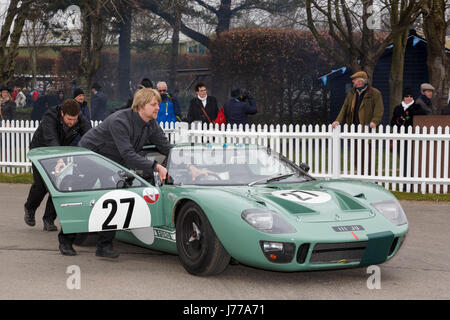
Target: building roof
[(341, 71)]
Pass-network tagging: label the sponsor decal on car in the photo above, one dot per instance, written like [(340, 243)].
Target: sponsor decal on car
[(165, 234), (151, 195), (148, 235)]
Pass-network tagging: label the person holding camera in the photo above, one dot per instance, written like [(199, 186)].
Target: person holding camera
[(239, 107)]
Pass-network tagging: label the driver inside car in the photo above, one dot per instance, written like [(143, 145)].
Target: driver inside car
[(196, 172)]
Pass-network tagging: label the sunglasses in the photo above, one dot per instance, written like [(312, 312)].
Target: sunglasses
[(162, 90)]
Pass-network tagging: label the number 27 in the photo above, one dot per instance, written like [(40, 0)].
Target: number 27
[(113, 203)]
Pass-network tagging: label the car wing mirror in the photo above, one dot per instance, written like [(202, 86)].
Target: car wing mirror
[(127, 177), (121, 184), (304, 167)]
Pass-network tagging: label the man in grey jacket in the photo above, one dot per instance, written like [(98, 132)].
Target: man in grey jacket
[(120, 137)]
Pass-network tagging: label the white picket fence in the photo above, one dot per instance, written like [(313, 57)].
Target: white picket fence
[(412, 161)]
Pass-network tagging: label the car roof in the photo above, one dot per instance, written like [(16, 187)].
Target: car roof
[(46, 152), (210, 145)]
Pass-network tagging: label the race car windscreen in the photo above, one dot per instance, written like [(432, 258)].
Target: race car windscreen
[(231, 165)]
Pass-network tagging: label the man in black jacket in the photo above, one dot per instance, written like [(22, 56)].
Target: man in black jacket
[(98, 103), (59, 127), (7, 106), (120, 137)]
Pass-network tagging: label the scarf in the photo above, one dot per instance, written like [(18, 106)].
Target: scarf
[(203, 100), (361, 89), (406, 106)]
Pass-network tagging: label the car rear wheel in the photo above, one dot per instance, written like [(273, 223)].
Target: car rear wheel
[(199, 249)]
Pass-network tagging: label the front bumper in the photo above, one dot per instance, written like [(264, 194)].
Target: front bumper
[(372, 249)]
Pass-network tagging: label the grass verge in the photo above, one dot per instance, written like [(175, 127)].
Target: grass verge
[(16, 178), (422, 197)]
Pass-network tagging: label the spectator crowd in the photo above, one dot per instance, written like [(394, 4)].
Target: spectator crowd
[(202, 107)]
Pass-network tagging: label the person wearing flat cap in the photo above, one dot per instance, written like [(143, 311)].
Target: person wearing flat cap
[(424, 100), (363, 104)]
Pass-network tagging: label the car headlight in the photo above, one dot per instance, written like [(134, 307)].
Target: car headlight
[(267, 221), (391, 210)]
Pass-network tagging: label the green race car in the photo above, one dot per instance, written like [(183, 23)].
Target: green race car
[(220, 202)]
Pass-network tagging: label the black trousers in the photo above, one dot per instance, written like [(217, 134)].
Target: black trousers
[(37, 193), (105, 238)]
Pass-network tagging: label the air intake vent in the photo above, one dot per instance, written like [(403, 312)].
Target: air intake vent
[(325, 253), (302, 253), (393, 246)]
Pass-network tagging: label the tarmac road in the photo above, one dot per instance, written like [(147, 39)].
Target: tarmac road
[(32, 267)]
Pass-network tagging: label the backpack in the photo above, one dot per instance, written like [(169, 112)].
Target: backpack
[(221, 117), (35, 96)]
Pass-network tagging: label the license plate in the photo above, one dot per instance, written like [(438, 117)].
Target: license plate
[(348, 228)]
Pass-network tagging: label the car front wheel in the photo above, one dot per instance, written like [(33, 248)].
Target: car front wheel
[(199, 249)]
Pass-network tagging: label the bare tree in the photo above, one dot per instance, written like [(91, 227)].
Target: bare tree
[(217, 13), (177, 6), (435, 25), (35, 34), (15, 19), (398, 11), (352, 25), (220, 13), (92, 19), (123, 68)]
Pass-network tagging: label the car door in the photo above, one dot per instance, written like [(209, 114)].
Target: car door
[(92, 193)]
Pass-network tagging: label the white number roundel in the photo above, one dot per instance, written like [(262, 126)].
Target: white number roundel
[(303, 196), (119, 209)]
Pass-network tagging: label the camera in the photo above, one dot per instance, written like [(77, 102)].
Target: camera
[(241, 94), (245, 96)]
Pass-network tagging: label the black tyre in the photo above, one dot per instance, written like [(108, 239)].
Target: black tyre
[(199, 249)]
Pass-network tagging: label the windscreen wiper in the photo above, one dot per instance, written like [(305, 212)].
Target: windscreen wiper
[(273, 178)]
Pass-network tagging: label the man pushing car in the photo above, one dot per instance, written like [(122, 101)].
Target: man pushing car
[(120, 137), (59, 127)]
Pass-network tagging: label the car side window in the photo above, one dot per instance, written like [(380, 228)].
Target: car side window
[(84, 173)]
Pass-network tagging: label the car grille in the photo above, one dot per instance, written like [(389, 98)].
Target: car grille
[(326, 253)]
